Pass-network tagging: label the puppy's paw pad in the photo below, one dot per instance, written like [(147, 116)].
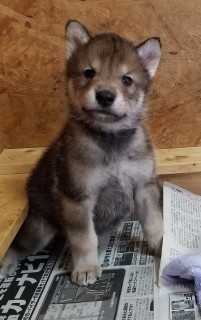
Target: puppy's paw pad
[(85, 277)]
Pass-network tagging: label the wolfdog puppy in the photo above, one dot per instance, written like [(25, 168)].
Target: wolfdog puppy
[(101, 166)]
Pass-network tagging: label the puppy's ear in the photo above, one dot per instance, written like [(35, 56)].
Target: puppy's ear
[(150, 53), (76, 36)]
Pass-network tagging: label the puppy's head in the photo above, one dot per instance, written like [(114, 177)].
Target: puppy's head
[(108, 77)]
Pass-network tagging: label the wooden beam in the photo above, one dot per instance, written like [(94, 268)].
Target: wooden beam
[(178, 160), (12, 208), (15, 161), (169, 161)]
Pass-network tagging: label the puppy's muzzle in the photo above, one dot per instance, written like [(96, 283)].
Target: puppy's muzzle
[(105, 98)]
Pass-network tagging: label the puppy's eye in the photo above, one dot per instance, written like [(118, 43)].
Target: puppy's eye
[(89, 73), (127, 81)]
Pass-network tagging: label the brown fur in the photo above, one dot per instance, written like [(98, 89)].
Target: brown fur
[(101, 166)]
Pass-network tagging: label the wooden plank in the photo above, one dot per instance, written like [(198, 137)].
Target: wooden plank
[(169, 161), (178, 160), (15, 161), (12, 208)]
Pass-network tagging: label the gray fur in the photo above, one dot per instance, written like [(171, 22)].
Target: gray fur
[(101, 167)]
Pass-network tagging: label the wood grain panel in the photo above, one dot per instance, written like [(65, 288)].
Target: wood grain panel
[(32, 97)]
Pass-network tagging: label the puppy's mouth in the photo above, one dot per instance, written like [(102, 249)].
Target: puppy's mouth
[(99, 113)]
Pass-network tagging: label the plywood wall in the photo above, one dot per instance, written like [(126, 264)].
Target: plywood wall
[(32, 97)]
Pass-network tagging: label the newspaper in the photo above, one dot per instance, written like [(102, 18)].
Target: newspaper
[(131, 286), (41, 288), (182, 224)]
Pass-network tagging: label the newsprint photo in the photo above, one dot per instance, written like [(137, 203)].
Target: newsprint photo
[(130, 287)]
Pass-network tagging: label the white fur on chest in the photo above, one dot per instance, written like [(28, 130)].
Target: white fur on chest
[(132, 170), (127, 172)]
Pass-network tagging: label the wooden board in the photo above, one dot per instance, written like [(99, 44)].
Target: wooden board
[(178, 160), (14, 161), (180, 166), (169, 161), (32, 80), (12, 208)]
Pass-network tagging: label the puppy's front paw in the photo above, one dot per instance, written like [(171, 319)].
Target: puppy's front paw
[(158, 248), (154, 240), (154, 235), (8, 264), (86, 275)]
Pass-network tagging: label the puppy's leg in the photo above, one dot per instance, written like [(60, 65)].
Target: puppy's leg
[(149, 213), (34, 235), (8, 264), (84, 243)]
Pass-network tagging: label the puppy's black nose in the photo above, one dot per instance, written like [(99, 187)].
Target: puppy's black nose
[(105, 98)]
